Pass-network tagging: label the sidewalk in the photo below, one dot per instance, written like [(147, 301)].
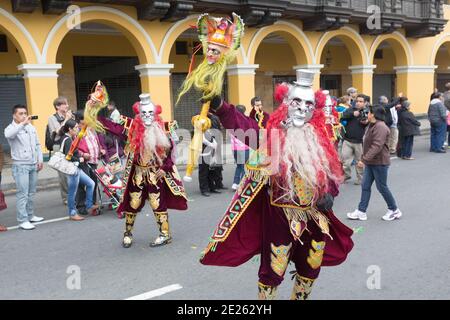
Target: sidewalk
[(48, 177)]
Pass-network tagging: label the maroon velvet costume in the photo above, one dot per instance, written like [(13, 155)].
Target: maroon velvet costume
[(173, 195), (254, 224)]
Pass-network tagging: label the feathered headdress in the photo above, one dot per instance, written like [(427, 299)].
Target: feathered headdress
[(220, 31), (98, 100)]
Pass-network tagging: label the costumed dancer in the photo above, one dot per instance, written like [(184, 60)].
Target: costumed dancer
[(220, 38), (150, 171), (332, 123), (283, 206)]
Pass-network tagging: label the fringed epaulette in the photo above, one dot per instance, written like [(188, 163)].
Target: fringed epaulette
[(126, 122), (298, 220)]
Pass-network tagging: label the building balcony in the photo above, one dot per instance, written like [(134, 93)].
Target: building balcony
[(420, 18)]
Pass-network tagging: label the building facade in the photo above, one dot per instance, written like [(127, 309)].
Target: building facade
[(57, 47)]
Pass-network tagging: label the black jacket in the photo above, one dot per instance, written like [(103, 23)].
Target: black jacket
[(408, 124), (354, 130), (66, 148)]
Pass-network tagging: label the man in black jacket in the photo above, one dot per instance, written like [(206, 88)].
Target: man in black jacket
[(354, 131)]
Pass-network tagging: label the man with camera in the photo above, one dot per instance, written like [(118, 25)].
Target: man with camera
[(27, 161), (356, 118)]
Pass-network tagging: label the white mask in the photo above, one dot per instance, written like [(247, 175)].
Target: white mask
[(328, 104), (301, 105), (146, 110)]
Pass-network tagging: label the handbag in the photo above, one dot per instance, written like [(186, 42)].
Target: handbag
[(59, 162)]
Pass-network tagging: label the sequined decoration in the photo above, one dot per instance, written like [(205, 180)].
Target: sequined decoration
[(154, 199), (266, 292), (302, 288), (279, 258), (316, 254), (135, 200), (162, 218)]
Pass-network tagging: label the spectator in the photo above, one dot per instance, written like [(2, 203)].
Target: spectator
[(114, 114), (210, 166), (27, 162), (392, 120), (375, 161), (257, 113), (353, 137), (55, 122), (2, 196), (91, 150), (352, 93), (438, 121), (447, 105), (409, 127), (241, 153), (70, 130)]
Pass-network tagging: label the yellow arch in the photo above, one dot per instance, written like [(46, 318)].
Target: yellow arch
[(174, 32), (295, 37), (441, 41), (19, 35), (402, 50), (135, 33), (353, 42)]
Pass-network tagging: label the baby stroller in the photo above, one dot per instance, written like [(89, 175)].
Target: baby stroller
[(108, 176)]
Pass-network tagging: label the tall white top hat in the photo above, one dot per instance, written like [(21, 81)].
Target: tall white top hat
[(145, 99), (305, 78)]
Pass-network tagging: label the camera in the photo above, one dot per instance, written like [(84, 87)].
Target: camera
[(364, 113), (34, 117)]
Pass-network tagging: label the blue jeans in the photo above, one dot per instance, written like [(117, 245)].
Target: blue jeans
[(378, 173), (241, 157), (438, 135), (26, 180), (72, 183), (407, 146)]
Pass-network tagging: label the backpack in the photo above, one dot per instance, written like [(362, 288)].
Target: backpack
[(50, 137)]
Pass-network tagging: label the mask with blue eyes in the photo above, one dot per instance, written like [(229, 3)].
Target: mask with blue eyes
[(301, 105)]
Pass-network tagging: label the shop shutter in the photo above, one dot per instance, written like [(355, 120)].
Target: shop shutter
[(12, 92), (117, 73)]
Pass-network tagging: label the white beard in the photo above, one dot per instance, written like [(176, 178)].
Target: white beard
[(154, 137), (303, 155)]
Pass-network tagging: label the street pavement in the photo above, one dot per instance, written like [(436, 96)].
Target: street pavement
[(403, 259)]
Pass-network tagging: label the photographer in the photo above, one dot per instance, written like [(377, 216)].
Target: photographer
[(356, 118), (27, 162)]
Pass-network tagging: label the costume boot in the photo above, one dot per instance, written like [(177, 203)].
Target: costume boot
[(302, 288), (129, 223), (162, 218), (266, 292)]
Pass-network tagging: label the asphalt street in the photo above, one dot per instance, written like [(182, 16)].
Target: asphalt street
[(409, 258)]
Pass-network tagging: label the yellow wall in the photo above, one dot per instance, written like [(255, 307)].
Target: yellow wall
[(153, 43), (9, 60)]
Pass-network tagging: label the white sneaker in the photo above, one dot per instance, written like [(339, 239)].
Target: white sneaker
[(392, 215), (357, 215), (36, 219), (234, 186), (26, 225)]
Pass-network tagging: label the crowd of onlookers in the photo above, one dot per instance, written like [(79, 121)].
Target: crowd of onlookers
[(79, 190), (361, 145)]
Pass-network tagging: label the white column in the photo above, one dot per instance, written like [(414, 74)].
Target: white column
[(362, 69), (39, 70), (242, 69), (154, 70), (415, 69)]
